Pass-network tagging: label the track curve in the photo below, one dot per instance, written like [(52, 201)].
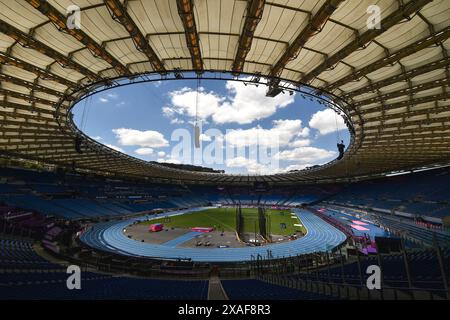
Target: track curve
[(109, 237)]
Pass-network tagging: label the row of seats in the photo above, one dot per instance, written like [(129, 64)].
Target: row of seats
[(26, 275), (424, 193), (259, 290), (424, 233), (19, 254), (43, 277), (81, 208), (73, 196), (410, 230), (423, 266), (38, 286)]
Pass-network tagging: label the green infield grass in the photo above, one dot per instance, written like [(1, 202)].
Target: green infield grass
[(281, 221)]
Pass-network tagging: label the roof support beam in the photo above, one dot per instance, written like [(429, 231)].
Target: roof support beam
[(27, 149), (32, 112), (27, 117), (412, 140), (32, 108), (119, 12), (401, 141), (254, 14), (393, 132), (36, 136), (399, 127), (441, 141), (40, 141), (413, 146), (43, 74), (315, 26), (394, 57), (60, 21), (400, 133), (443, 63), (433, 110), (362, 40), (67, 160), (27, 97), (29, 85), (25, 123), (6, 132), (404, 92), (406, 152), (29, 42), (392, 106), (186, 12)]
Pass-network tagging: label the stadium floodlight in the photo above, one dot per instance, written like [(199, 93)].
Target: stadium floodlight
[(256, 78), (178, 74), (273, 91)]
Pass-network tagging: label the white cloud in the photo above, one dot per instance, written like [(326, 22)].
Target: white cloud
[(144, 151), (112, 95), (176, 121), (115, 148), (243, 104), (161, 154), (237, 162), (169, 112), (300, 143), (98, 138), (281, 134), (325, 121), (304, 132), (169, 160), (132, 137), (304, 155), (184, 103), (108, 97), (249, 103), (252, 166), (204, 137), (172, 114)]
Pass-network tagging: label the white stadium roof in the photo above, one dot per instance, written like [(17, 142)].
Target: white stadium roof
[(392, 82)]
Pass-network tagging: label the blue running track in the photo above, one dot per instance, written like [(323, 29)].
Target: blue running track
[(109, 236), (181, 239)]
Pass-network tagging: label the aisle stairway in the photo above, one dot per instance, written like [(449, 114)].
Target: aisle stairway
[(215, 290)]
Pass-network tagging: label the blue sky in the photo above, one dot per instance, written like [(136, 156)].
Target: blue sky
[(140, 119)]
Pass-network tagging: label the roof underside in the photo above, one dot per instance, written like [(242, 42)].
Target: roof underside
[(395, 80)]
